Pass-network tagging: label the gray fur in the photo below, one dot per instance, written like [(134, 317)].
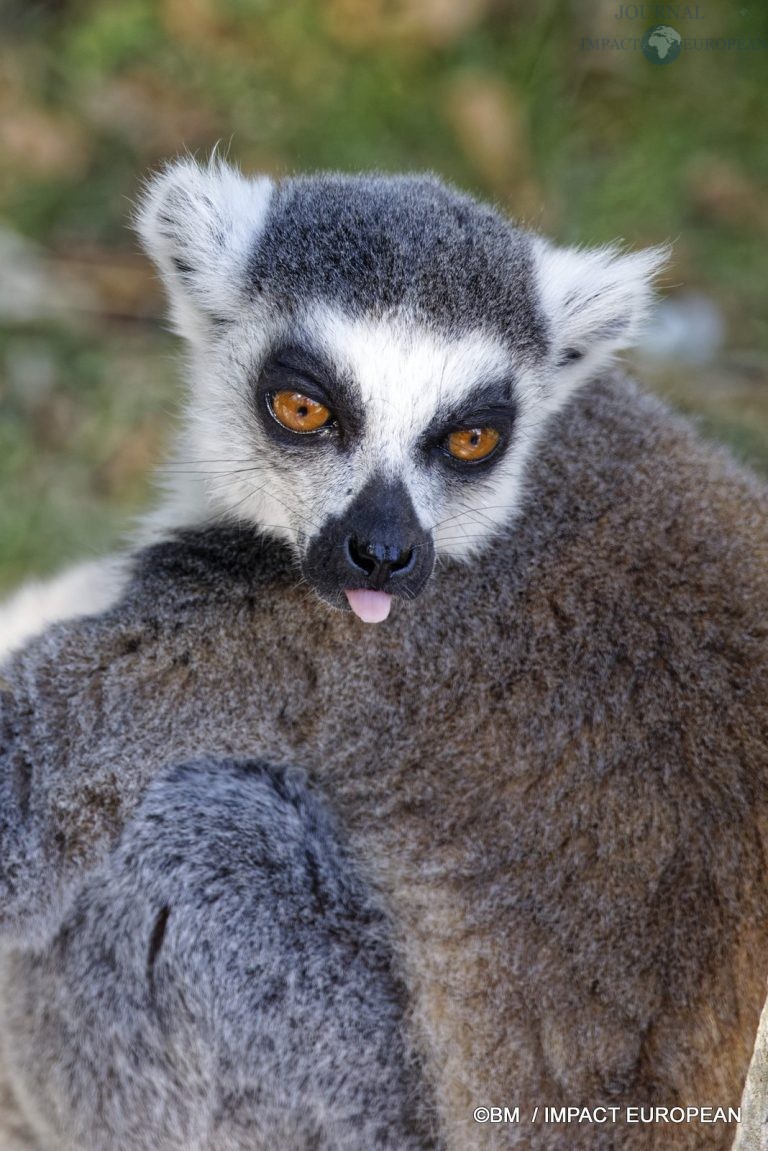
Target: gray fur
[(553, 766), (412, 298), (223, 982), (399, 242)]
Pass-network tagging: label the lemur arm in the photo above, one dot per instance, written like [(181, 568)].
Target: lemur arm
[(20, 846), (57, 820)]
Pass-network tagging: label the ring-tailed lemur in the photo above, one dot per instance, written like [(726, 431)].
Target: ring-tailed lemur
[(553, 766), (372, 361)]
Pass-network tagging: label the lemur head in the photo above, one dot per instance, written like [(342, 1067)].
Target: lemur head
[(373, 358)]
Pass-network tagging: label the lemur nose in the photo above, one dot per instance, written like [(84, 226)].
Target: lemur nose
[(379, 561)]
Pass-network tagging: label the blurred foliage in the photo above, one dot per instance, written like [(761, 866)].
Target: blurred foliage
[(498, 95)]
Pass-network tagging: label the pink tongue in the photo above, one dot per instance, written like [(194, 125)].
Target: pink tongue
[(369, 606)]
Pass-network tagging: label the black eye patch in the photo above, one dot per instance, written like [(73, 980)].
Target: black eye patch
[(300, 368), (490, 404)]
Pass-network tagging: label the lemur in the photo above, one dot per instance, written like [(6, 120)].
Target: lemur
[(547, 764), (391, 351)]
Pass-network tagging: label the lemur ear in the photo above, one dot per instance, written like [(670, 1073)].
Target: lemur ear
[(596, 301), (199, 224)]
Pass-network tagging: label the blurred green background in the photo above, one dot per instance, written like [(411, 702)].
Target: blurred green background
[(512, 100)]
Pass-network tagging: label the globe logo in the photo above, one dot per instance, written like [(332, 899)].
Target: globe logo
[(661, 45)]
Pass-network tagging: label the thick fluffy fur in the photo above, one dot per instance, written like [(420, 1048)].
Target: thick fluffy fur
[(553, 766), (84, 589), (415, 295), (222, 983), (417, 300)]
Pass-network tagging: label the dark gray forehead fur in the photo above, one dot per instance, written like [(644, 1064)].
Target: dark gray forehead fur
[(374, 243)]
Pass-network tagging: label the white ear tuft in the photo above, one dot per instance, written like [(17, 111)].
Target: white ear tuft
[(200, 224), (596, 301)]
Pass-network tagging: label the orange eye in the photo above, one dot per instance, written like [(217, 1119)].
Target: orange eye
[(472, 444), (299, 413)]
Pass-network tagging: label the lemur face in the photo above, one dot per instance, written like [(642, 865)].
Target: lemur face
[(374, 359), (387, 443)]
